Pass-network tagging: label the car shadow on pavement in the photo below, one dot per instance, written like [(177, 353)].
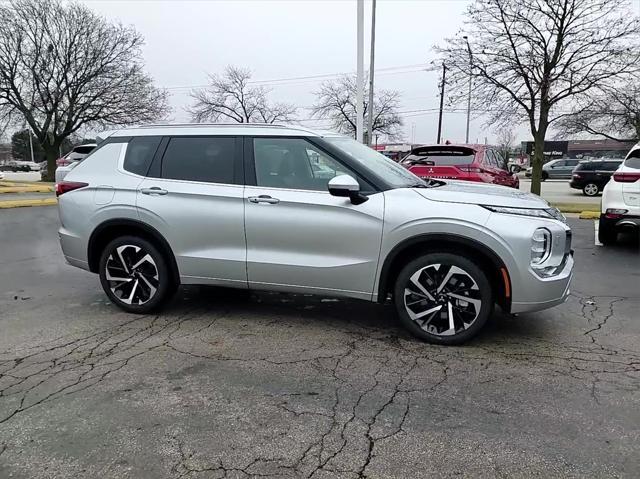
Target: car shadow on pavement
[(330, 314)]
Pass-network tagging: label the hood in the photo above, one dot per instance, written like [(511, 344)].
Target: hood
[(482, 194)]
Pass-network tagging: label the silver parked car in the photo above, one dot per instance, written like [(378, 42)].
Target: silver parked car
[(252, 207), (556, 169)]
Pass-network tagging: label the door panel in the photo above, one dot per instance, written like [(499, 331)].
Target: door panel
[(310, 239), (203, 224)]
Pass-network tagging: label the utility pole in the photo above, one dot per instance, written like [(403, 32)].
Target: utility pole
[(31, 144), (371, 64), (470, 80), (360, 72), (444, 76)]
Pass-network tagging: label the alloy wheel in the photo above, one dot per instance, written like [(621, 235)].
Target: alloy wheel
[(132, 274), (442, 299), (591, 189)]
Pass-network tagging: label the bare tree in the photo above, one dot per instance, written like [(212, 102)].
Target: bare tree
[(230, 97), (336, 101), (533, 60), (613, 113), (62, 67), (505, 138)]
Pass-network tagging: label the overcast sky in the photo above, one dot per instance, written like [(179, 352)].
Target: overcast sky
[(285, 39)]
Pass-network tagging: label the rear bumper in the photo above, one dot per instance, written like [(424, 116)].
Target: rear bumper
[(627, 222), (73, 249), (577, 185)]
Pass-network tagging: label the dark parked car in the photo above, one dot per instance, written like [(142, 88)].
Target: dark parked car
[(591, 176)]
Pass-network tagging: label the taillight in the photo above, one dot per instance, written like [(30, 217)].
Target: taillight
[(626, 177), (66, 186), (469, 169)]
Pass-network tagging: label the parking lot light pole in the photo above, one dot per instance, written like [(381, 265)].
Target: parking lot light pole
[(360, 73), (371, 64), (466, 39)]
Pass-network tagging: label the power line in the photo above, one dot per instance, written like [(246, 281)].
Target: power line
[(314, 78)]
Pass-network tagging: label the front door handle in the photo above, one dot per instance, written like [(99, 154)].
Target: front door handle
[(154, 190), (263, 199)]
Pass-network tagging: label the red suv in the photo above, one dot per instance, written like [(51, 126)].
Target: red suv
[(460, 162)]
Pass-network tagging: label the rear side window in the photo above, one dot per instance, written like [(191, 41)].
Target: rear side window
[(140, 151), (611, 165), (633, 160), (571, 162), (83, 150), (208, 159), (589, 166)]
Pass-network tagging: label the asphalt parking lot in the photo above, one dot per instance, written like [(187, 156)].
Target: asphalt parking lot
[(227, 384)]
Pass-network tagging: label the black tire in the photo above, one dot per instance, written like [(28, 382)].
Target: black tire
[(590, 189), (544, 176), (429, 329), (140, 277), (607, 233)]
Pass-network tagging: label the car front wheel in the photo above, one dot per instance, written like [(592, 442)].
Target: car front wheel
[(443, 298), (135, 275)]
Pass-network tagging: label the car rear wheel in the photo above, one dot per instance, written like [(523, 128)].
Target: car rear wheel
[(135, 275), (590, 189), (443, 298), (607, 233)]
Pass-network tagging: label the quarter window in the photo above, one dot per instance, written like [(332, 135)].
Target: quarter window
[(294, 163), (208, 159), (140, 151)]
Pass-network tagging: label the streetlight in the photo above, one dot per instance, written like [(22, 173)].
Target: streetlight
[(466, 39)]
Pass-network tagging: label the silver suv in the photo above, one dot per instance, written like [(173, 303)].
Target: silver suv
[(288, 209)]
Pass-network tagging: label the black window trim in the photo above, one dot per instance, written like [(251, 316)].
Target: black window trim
[(326, 148), (155, 153)]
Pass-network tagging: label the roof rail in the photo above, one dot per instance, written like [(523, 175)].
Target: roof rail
[(196, 125)]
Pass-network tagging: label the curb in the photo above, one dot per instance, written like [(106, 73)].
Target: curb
[(589, 215), (6, 204), (26, 189)]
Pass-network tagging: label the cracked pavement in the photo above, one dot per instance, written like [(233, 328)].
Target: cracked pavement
[(230, 384)]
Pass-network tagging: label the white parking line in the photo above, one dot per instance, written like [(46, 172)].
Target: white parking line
[(595, 224)]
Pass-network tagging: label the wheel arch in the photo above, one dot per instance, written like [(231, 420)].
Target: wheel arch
[(487, 259), (111, 229)]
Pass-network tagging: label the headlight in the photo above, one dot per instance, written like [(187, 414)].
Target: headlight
[(549, 213), (540, 246)]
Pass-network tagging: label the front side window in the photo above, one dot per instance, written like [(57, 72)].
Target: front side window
[(140, 151), (207, 159), (294, 163)]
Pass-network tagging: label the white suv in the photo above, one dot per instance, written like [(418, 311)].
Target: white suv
[(620, 207), (288, 209)]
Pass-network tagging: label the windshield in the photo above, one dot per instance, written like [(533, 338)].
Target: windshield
[(388, 170)]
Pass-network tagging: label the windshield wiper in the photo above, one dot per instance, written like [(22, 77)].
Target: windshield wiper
[(428, 183)]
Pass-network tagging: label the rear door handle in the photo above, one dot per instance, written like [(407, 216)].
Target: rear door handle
[(154, 190), (263, 199)]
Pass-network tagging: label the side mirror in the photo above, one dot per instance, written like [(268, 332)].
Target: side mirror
[(346, 186)]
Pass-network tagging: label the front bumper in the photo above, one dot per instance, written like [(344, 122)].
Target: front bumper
[(542, 293)]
